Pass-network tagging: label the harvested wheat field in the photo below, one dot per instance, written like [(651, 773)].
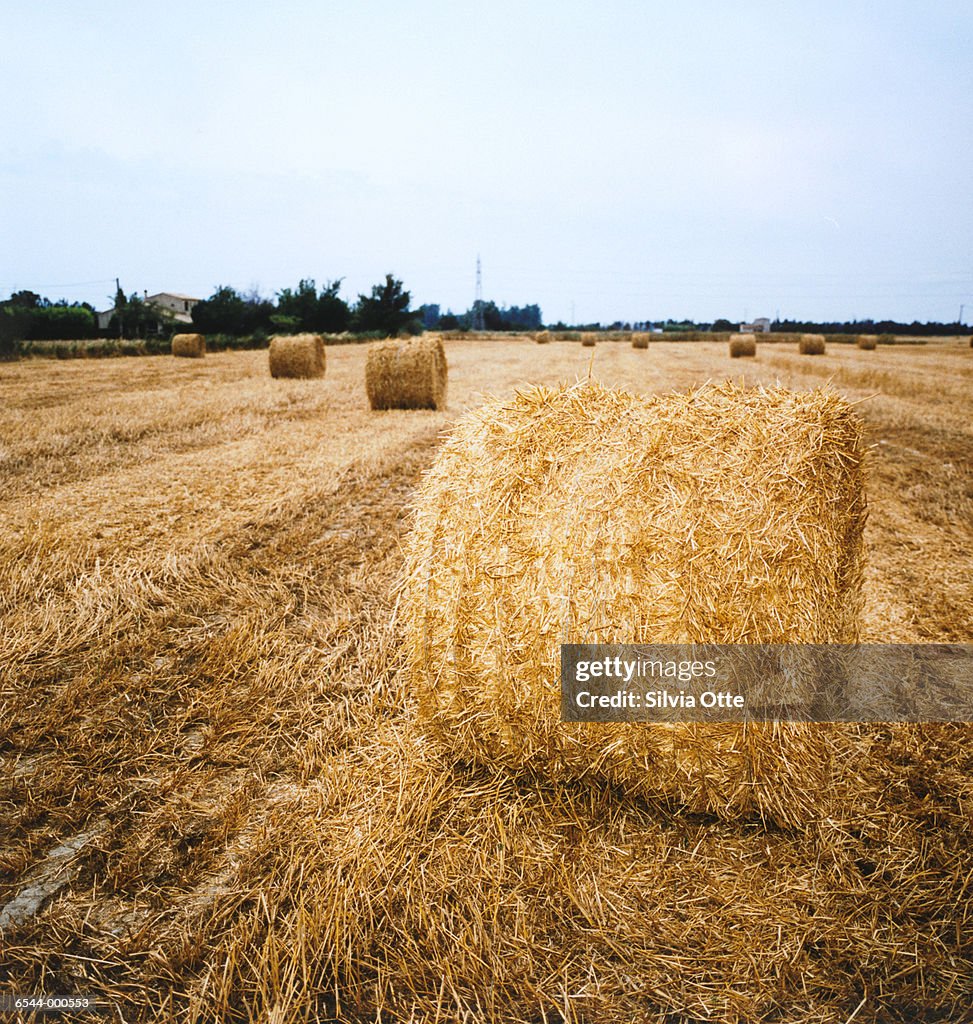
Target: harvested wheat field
[(219, 800)]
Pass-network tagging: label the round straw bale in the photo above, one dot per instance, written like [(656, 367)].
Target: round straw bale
[(743, 345), (190, 346), (811, 345), (867, 341), (589, 515), (542, 337), (640, 340), (406, 374), (297, 355), (588, 339)]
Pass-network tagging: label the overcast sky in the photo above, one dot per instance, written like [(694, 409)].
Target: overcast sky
[(621, 160)]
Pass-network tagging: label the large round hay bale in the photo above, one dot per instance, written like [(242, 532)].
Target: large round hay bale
[(297, 355), (589, 515), (189, 346), (640, 340), (811, 345), (406, 374), (867, 341), (743, 345), (542, 337), (588, 339)]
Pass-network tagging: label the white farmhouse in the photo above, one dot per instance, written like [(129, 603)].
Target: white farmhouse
[(759, 326), (179, 306)]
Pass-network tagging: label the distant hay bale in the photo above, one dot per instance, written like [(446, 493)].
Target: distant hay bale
[(189, 346), (743, 345), (406, 374), (297, 355), (588, 339), (542, 337), (588, 515), (640, 341), (867, 341), (811, 345)]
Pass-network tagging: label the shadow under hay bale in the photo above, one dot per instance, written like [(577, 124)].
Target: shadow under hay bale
[(744, 345), (189, 346), (297, 355), (602, 517), (406, 374), (868, 342), (811, 345)]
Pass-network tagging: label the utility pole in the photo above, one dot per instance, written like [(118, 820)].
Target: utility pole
[(961, 306), (477, 324), (118, 309)]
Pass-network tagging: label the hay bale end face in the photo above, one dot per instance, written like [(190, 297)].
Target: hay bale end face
[(744, 345), (588, 515), (542, 337), (811, 345), (588, 339), (406, 374), (867, 342), (297, 355), (640, 341), (189, 346)]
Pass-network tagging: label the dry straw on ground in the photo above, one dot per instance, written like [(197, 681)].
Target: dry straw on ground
[(542, 337), (191, 346), (406, 374), (744, 345), (588, 339), (431, 893), (223, 686), (811, 345), (587, 515), (297, 355), (867, 341), (640, 341)]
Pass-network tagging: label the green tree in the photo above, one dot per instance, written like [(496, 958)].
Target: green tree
[(386, 310), (298, 307), (224, 312), (334, 316), (25, 300), (306, 310), (133, 317), (58, 320), (228, 312)]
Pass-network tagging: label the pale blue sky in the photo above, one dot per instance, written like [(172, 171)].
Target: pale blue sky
[(626, 160)]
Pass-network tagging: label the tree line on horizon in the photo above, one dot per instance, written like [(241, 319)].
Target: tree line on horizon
[(26, 316)]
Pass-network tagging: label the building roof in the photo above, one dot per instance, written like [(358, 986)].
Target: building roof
[(175, 295)]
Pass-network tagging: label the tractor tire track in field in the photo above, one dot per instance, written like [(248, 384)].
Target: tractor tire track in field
[(249, 699)]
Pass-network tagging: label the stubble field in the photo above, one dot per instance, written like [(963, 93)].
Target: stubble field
[(203, 720)]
